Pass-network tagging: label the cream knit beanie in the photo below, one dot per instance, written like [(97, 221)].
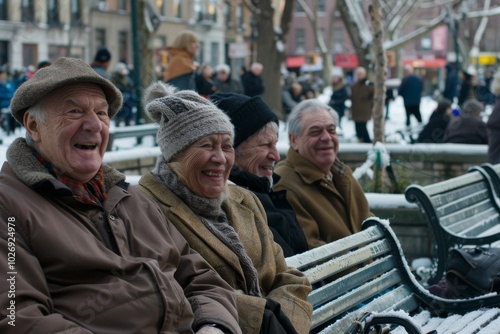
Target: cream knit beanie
[(184, 117)]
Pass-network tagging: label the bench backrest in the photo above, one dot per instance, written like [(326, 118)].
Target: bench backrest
[(366, 272), (367, 262), (460, 211)]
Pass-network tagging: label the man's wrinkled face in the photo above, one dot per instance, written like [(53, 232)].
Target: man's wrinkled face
[(74, 134), (318, 143)]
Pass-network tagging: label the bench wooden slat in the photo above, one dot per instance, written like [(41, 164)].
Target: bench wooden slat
[(332, 249), (340, 264), (465, 201), (459, 225), (346, 283), (458, 182), (463, 196)]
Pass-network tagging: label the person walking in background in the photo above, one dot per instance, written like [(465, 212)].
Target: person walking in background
[(493, 123), (101, 62), (93, 255), (181, 67), (290, 97), (252, 80), (468, 128), (204, 81), (223, 81), (328, 201), (256, 135), (411, 91), (121, 79), (467, 85), (362, 92), (224, 223), (340, 93), (433, 131), (451, 84)]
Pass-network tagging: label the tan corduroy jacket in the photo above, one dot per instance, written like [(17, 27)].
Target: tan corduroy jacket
[(326, 210), (288, 286)]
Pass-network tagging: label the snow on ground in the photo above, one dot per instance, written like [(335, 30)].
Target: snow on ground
[(397, 118)]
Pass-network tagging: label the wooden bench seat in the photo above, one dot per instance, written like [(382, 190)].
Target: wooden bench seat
[(460, 211), (367, 272)]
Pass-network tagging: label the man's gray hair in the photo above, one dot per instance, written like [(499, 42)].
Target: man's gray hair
[(295, 125), (37, 112)]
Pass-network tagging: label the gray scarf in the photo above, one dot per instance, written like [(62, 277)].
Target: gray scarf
[(211, 214)]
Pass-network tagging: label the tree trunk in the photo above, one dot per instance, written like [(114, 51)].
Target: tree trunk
[(379, 95)]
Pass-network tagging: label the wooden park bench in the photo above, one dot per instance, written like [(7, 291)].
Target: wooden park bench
[(137, 131), (367, 273), (460, 211)]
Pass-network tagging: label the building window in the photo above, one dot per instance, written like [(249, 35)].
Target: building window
[(227, 15), (122, 5), (100, 38), (4, 52), (57, 51), (76, 13), (338, 40), (300, 45), (198, 10), (321, 6), (27, 10), (30, 52), (322, 34), (214, 53), (4, 10), (160, 4), (123, 46), (53, 12), (298, 7), (239, 17), (178, 9)]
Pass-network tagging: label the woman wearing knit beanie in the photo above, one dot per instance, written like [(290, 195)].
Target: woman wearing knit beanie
[(225, 223)]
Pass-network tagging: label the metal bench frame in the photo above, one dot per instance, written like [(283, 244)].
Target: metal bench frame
[(367, 272), (138, 131), (460, 211)]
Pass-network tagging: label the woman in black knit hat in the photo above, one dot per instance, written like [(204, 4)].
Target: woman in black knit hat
[(256, 135)]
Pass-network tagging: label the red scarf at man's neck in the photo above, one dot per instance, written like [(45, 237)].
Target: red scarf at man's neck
[(91, 192)]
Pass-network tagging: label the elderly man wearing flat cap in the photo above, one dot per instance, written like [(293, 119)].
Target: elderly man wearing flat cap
[(88, 254), (256, 135)]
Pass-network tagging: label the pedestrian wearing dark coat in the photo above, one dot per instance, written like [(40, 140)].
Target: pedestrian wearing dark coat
[(93, 255), (467, 86), (362, 92), (252, 80), (340, 93), (493, 124), (411, 91), (451, 83), (433, 131), (223, 81), (328, 201), (256, 134), (468, 128)]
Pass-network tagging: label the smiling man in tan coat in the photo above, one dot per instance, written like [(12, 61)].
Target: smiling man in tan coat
[(328, 201)]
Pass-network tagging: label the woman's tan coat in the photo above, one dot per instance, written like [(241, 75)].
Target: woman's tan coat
[(288, 286)]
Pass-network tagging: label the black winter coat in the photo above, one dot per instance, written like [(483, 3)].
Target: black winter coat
[(433, 131), (252, 84), (280, 215)]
